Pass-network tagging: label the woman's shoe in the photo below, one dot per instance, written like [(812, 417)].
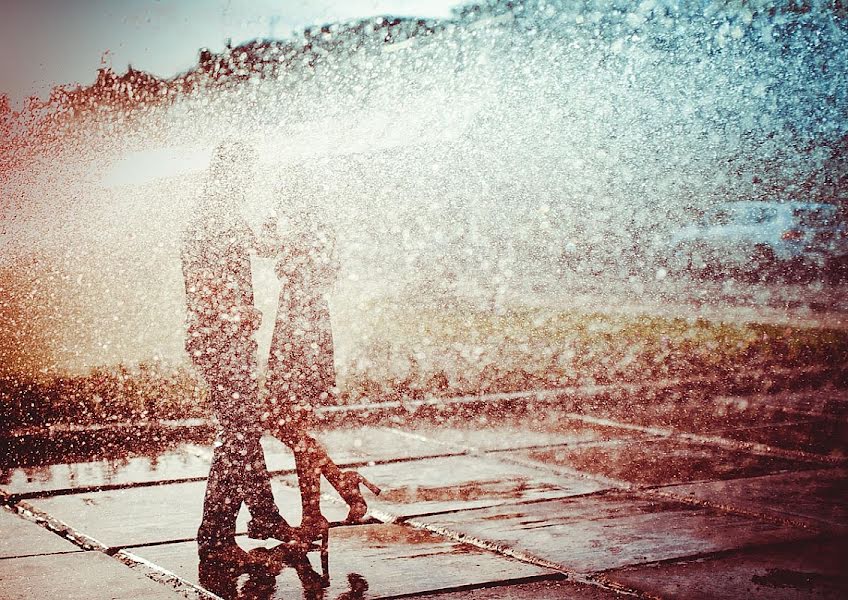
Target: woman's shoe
[(348, 489), (314, 526)]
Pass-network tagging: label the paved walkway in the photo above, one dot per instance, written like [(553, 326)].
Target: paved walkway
[(707, 497)]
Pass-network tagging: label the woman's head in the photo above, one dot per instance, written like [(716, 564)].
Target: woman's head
[(232, 165), (301, 197)]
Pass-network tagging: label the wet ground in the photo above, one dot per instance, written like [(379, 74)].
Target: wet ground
[(702, 496)]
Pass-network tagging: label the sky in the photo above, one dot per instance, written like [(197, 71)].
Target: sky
[(49, 42)]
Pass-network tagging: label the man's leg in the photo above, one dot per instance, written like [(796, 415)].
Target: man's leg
[(224, 495), (256, 483), (255, 478), (238, 474)]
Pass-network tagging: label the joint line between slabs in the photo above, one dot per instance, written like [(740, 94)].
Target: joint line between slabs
[(37, 554), (712, 440), (626, 486), (653, 492), (592, 580), (163, 576), (488, 585), (14, 497), (597, 579), (88, 543), (59, 527)]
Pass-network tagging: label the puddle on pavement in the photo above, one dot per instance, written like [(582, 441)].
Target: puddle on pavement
[(185, 460), (465, 492), (541, 430), (663, 461), (392, 560), (823, 436), (133, 463), (388, 535), (797, 580)]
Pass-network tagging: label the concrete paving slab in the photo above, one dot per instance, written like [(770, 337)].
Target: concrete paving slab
[(76, 576), (815, 569), (386, 560), (817, 436), (655, 462), (461, 482), (161, 513), (545, 429), (25, 538), (818, 497), (538, 590), (605, 531)]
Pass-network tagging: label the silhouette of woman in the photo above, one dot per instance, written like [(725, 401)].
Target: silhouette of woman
[(301, 372)]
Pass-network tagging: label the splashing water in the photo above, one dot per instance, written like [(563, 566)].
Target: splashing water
[(457, 160)]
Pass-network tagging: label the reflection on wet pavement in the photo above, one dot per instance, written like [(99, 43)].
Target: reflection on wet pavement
[(655, 462), (389, 559), (179, 461), (461, 482), (613, 529), (259, 580), (142, 515), (186, 461), (542, 429), (799, 570), (819, 436), (46, 446)]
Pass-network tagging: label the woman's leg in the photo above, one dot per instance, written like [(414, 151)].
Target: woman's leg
[(312, 461), (309, 458)]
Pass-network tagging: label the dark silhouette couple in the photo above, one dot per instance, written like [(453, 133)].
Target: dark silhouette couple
[(221, 323)]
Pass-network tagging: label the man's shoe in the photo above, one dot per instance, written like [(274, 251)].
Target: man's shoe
[(278, 529), (291, 538)]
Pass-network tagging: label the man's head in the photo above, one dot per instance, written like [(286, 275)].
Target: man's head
[(232, 166)]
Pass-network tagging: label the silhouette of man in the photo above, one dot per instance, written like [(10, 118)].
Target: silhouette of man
[(221, 322)]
